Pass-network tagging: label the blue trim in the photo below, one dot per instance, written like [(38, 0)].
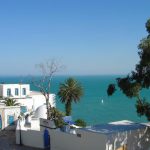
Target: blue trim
[(23, 109), (46, 139), (11, 120)]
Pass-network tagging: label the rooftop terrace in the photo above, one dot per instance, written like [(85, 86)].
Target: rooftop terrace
[(115, 127)]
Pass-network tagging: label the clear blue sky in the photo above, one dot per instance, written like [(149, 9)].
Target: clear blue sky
[(88, 36)]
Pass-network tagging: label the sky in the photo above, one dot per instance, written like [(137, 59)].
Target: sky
[(89, 37)]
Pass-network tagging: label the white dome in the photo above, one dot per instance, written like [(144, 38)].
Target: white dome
[(41, 112)]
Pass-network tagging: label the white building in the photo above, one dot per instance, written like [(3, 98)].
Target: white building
[(8, 117), (29, 100), (28, 131), (14, 90)]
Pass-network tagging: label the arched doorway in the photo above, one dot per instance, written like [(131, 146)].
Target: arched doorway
[(46, 139)]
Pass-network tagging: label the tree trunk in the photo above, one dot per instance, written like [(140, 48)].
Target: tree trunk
[(48, 107), (68, 108)]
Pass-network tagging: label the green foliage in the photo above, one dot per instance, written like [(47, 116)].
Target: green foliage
[(142, 70), (148, 26), (69, 92), (143, 108), (10, 102), (129, 88), (56, 115), (111, 89), (80, 122), (139, 78)]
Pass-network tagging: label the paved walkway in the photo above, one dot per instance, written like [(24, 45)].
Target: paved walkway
[(8, 142)]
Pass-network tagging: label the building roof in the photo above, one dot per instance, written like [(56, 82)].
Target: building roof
[(38, 93), (35, 93), (9, 107), (115, 127), (41, 112), (12, 84)]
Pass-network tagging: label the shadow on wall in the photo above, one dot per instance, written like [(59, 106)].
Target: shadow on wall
[(25, 136), (32, 138), (11, 126), (8, 141)]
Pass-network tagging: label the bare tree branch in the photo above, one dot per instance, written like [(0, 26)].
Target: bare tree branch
[(47, 70)]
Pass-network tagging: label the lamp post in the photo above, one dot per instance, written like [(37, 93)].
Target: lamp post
[(20, 131)]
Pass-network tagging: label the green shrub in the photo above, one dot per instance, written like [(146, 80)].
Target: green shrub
[(80, 122), (56, 115)]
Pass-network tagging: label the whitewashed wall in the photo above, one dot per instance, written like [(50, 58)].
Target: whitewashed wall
[(84, 140), (4, 88), (34, 101), (26, 102), (88, 141), (5, 112), (39, 100), (30, 136)]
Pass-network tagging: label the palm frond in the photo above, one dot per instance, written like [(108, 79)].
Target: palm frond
[(70, 91)]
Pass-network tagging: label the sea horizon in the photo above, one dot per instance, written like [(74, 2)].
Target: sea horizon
[(36, 75), (95, 106)]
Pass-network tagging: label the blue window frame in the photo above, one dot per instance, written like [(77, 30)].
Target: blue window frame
[(24, 91), (8, 92), (16, 91), (23, 109), (10, 120)]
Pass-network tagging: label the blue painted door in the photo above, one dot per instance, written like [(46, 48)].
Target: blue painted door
[(46, 139), (0, 122), (11, 120)]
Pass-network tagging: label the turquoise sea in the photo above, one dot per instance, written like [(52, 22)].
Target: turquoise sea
[(90, 108)]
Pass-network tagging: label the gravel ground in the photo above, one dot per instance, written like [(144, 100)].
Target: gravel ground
[(8, 142)]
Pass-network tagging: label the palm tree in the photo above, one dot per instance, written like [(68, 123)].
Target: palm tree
[(70, 91), (10, 102)]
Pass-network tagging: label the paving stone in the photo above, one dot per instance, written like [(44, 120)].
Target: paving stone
[(8, 142)]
